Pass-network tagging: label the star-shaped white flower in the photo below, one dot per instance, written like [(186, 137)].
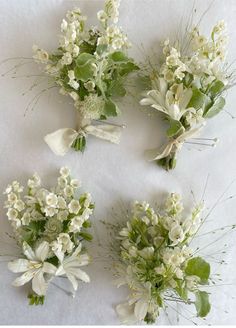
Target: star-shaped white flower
[(70, 267), (34, 268)]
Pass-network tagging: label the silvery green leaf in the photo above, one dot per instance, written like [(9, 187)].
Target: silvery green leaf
[(110, 108), (198, 100), (196, 266), (215, 108), (202, 303), (216, 87), (175, 128)]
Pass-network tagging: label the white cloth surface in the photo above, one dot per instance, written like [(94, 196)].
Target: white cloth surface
[(112, 173)]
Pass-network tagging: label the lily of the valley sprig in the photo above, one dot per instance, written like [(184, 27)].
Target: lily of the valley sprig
[(91, 67), (157, 264), (189, 88), (50, 228)]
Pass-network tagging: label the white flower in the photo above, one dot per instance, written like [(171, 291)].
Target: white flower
[(176, 234), (75, 183), (19, 205), (147, 252), (70, 266), (74, 84), (62, 215), (74, 95), (26, 218), (64, 25), (68, 191), (62, 245), (76, 224), (12, 198), (102, 16), (65, 171), (62, 182), (34, 268), (50, 211), (74, 206), (40, 55), (34, 182), (12, 214), (51, 200), (220, 26), (71, 75), (66, 59), (61, 203)]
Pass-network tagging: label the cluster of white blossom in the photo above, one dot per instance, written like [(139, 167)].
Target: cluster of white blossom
[(155, 258), (51, 225), (188, 86)]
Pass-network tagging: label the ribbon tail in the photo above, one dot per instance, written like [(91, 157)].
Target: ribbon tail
[(61, 140), (107, 132), (155, 154)]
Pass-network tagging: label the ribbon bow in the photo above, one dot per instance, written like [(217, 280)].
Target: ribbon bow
[(60, 141), (155, 154)]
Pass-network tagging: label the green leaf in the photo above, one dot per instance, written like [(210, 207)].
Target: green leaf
[(181, 290), (174, 129), (85, 235), (215, 108), (216, 87), (119, 56), (202, 304), (101, 48), (87, 224), (198, 100), (116, 89), (127, 68), (198, 267), (110, 108), (84, 58), (84, 72)]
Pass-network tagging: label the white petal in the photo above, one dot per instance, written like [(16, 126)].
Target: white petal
[(73, 281), (185, 98), (29, 253), (24, 278), (42, 251), (140, 309), (126, 314), (39, 284), (79, 261), (79, 274), (20, 265), (61, 140), (49, 268)]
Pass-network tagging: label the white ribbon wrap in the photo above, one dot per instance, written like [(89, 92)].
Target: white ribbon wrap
[(155, 154), (61, 140)]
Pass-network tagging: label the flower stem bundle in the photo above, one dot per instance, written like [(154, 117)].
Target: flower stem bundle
[(157, 264), (49, 227), (90, 66), (188, 88)]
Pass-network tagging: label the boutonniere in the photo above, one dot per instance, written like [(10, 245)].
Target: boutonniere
[(90, 66), (50, 229), (157, 257), (188, 88)]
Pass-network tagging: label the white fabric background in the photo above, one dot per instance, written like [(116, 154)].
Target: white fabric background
[(111, 173)]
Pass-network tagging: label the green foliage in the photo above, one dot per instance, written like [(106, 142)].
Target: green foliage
[(198, 267), (216, 88), (217, 106), (79, 144), (86, 236), (198, 100), (202, 303), (110, 108), (35, 299), (175, 128)]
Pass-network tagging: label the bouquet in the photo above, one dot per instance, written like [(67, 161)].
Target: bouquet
[(49, 227), (188, 88), (91, 67), (157, 264)]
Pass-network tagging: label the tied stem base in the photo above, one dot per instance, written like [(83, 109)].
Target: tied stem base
[(168, 162), (79, 144)]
